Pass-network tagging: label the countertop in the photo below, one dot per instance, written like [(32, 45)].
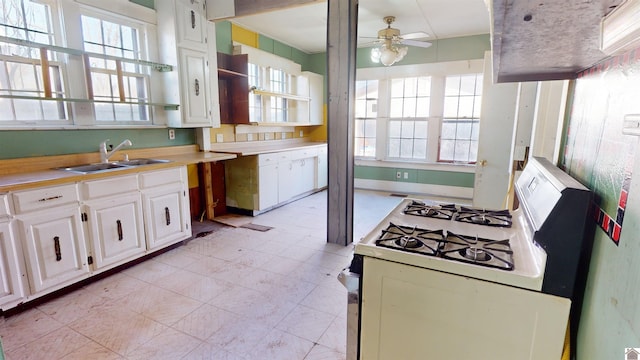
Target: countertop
[(37, 178), (247, 148)]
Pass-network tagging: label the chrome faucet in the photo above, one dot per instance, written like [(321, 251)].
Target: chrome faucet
[(106, 154)]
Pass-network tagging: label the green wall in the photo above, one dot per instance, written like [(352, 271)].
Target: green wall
[(433, 177), (26, 143)]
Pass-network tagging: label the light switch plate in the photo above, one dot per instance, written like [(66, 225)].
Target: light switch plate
[(172, 134), (631, 124)]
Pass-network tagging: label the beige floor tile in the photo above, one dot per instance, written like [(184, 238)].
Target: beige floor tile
[(204, 321), (282, 265), (178, 257), (26, 327), (208, 266), (195, 286), (51, 346), (115, 286), (92, 351), (150, 271), (329, 299), (159, 304), (120, 331), (319, 352), (261, 280), (239, 335), (211, 352), (306, 323), (282, 346), (170, 344), (73, 306), (335, 337), (253, 258)]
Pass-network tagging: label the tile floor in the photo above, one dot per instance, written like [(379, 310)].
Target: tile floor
[(233, 294)]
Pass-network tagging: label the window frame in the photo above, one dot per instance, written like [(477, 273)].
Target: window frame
[(438, 73), (66, 20)]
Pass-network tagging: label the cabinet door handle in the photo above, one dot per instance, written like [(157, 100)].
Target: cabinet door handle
[(167, 215), (119, 225), (56, 248), (197, 87), (50, 198), (193, 19)]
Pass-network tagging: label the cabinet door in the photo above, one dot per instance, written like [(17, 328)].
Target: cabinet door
[(322, 170), (12, 290), (55, 248), (307, 175), (166, 216), (194, 73), (117, 229), (267, 186), (286, 180), (192, 26)]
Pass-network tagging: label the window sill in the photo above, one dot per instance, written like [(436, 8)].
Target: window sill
[(463, 168), (79, 127)]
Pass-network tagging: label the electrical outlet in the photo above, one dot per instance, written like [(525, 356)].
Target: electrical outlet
[(249, 137), (398, 174), (219, 138), (267, 136), (406, 175), (301, 133), (172, 134), (284, 135)]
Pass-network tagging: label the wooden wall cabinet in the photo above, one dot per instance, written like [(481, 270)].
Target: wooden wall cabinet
[(233, 87)]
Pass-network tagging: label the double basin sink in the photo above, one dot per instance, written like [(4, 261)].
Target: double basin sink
[(111, 166)]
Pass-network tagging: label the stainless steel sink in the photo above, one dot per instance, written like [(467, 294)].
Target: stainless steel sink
[(112, 166), (138, 162)]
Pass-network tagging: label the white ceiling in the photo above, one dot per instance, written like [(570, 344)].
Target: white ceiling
[(304, 27)]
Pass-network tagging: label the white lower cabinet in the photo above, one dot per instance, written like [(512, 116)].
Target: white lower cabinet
[(113, 209), (56, 236), (116, 230), (322, 168), (12, 286), (54, 246), (166, 207), (260, 182)]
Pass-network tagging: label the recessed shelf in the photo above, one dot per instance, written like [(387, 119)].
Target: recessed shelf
[(282, 95)]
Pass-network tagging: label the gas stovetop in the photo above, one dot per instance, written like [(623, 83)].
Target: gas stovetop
[(470, 249), (428, 235), (498, 218)]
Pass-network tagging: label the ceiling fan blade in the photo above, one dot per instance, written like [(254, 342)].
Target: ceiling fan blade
[(415, 35), (422, 44)]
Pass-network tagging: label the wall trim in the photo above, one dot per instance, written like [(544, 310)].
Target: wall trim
[(415, 188)]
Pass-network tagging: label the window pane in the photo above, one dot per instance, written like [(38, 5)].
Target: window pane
[(395, 110), (360, 108), (463, 130), (446, 150), (467, 85), (420, 149), (407, 130), (409, 108), (475, 130), (421, 130), (394, 148), (372, 89), (394, 128), (452, 86), (424, 86), (461, 151), (410, 87), (397, 87), (370, 128), (359, 128), (477, 106), (465, 108), (450, 106), (370, 147), (422, 107), (372, 108), (406, 149)]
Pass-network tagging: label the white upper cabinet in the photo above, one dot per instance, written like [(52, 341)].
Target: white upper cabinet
[(187, 40)]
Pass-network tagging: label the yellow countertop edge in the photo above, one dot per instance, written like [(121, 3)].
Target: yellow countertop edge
[(51, 177), (254, 148)]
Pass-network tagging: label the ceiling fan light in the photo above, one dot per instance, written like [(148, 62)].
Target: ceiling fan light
[(388, 56), (401, 52)]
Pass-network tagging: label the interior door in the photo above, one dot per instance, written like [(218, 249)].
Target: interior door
[(493, 169)]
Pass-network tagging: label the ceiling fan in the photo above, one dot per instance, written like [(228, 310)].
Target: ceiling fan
[(390, 45)]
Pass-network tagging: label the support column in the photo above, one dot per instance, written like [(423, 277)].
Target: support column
[(342, 22)]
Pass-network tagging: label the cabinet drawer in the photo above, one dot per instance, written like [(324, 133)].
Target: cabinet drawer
[(4, 206), (109, 186), (303, 153), (44, 198), (322, 150), (162, 177), (267, 159)]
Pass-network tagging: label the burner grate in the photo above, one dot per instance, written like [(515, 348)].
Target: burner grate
[(411, 239), (500, 218), (418, 208), (479, 251)]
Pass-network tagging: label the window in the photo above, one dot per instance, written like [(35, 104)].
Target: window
[(431, 116), (366, 111), (255, 100), (114, 80), (22, 72), (461, 118), (264, 104), (45, 83), (409, 113)]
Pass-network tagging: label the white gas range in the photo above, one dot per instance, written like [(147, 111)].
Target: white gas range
[(444, 281)]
